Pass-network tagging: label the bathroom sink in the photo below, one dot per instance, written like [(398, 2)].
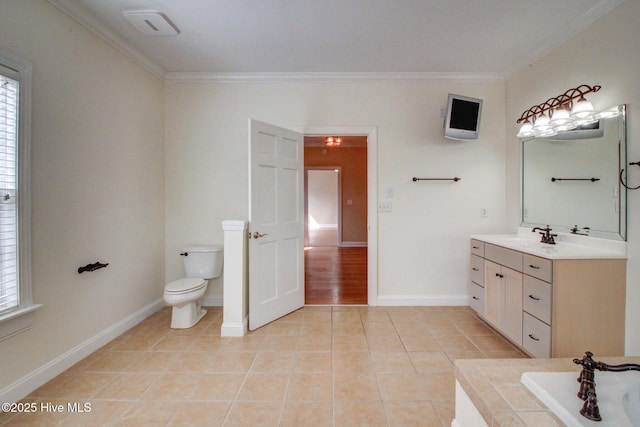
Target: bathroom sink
[(521, 241), (618, 397), (530, 243), (631, 404)]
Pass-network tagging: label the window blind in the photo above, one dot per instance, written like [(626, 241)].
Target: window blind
[(9, 285)]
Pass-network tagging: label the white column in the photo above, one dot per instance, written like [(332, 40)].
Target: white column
[(235, 318)]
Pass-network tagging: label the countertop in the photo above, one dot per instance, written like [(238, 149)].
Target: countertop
[(494, 387), (566, 247)]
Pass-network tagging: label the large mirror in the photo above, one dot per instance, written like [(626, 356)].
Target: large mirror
[(571, 181)]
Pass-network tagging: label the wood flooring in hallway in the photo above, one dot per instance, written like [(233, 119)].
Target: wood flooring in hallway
[(335, 275)]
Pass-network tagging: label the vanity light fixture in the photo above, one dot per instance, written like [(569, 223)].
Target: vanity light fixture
[(541, 127), (561, 113), (333, 141), (582, 109), (561, 120), (526, 130), (608, 113)]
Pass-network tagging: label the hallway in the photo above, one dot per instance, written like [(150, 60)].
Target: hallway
[(335, 275)]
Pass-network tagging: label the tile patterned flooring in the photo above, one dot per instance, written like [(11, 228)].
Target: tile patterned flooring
[(319, 366)]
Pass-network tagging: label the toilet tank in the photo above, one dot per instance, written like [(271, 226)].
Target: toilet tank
[(203, 261)]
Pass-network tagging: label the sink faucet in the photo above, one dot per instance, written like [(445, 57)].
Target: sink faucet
[(547, 237), (587, 390), (575, 229)]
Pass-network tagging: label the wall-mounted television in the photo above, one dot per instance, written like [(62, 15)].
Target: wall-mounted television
[(462, 121)]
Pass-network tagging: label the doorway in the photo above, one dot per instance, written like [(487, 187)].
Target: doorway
[(336, 221), (323, 217), (276, 199)]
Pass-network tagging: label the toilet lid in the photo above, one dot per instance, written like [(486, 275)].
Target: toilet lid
[(184, 285)]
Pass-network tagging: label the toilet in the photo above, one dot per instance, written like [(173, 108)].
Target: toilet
[(201, 263)]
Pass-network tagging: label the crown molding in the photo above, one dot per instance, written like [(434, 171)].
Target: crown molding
[(568, 31), (88, 20), (332, 77)]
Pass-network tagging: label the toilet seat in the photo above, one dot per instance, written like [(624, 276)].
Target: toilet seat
[(186, 285)]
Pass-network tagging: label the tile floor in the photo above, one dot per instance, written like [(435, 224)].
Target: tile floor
[(319, 366)]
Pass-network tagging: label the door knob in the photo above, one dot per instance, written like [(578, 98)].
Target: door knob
[(257, 235)]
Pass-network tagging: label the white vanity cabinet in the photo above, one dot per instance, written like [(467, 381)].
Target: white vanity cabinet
[(550, 307), (503, 290), (536, 305), (476, 287), (503, 299)]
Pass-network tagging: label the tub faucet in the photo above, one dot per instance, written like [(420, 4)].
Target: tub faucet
[(587, 390), (547, 237)]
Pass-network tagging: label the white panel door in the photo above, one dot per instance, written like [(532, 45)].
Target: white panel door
[(276, 231)]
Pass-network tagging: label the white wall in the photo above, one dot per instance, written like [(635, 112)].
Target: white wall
[(322, 193), (606, 53), (423, 243), (97, 176)]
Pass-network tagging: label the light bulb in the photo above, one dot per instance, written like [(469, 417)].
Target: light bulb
[(560, 117), (541, 123), (582, 109), (526, 130)]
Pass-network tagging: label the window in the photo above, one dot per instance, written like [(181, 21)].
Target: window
[(15, 250), (9, 290)]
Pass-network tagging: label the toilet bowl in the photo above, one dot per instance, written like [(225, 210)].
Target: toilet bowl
[(201, 263)]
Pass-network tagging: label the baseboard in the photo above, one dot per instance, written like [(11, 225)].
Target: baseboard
[(212, 301), (235, 329), (423, 300), (25, 385)]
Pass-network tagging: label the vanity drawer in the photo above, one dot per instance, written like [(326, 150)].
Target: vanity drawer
[(541, 268), (536, 298), (536, 336), (477, 270), (477, 247), (503, 256), (477, 298)]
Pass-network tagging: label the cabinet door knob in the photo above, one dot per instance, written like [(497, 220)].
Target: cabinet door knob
[(535, 267), (534, 298), (534, 338), (476, 298), (475, 269)]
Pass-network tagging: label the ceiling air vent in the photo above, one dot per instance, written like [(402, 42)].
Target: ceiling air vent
[(151, 22)]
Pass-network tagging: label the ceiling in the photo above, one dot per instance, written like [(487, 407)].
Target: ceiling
[(488, 37)]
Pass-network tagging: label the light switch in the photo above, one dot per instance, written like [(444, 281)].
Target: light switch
[(384, 206)]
